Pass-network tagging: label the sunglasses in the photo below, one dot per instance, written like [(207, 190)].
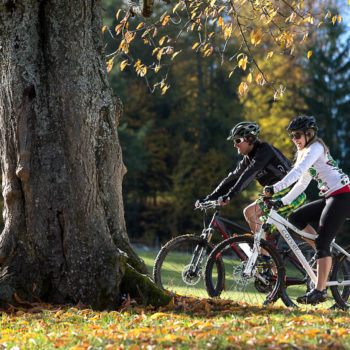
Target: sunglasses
[(239, 140), (296, 135)]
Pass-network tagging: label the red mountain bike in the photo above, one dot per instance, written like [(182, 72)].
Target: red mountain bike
[(179, 265)]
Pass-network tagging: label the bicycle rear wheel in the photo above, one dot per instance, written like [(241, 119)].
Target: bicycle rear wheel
[(341, 272), (179, 265), (261, 288)]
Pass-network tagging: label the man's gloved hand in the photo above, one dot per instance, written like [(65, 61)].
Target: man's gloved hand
[(268, 191)]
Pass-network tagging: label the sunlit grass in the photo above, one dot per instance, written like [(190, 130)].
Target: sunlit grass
[(187, 323)]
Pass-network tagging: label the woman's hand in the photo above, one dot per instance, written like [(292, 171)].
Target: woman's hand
[(268, 191)]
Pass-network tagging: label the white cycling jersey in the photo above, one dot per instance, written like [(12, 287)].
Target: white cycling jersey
[(318, 165)]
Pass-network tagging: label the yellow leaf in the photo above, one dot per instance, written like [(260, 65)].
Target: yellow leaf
[(140, 25), (103, 29), (212, 33), (156, 68), (123, 64), (165, 88), (228, 32), (309, 54), (195, 45), (162, 40), (175, 54), (249, 78), (258, 78), (321, 23), (340, 19), (159, 55), (117, 14), (243, 88), (269, 55), (155, 50), (255, 36), (110, 64), (221, 21), (212, 2), (230, 74), (334, 18), (143, 71), (165, 20), (243, 63), (176, 6)]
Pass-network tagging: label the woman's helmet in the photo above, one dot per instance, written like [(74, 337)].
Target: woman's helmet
[(303, 123), (244, 129)]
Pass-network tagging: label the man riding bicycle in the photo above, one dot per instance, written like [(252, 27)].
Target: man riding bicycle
[(261, 161)]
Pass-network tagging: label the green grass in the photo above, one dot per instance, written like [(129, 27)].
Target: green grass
[(244, 291), (187, 323)]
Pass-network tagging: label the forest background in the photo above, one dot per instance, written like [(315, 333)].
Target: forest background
[(174, 144)]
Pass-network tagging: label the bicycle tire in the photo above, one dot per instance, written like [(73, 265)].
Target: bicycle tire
[(262, 288), (172, 266), (340, 272)]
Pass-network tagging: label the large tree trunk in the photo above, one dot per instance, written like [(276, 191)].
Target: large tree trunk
[(61, 159)]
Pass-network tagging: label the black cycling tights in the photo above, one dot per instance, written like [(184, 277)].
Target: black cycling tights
[(330, 213)]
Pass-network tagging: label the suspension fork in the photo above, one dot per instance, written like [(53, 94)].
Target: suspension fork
[(199, 251), (248, 270)]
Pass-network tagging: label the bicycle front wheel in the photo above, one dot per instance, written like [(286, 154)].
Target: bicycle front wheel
[(262, 287), (179, 265)]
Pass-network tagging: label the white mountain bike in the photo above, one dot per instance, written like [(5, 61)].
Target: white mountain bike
[(290, 281)]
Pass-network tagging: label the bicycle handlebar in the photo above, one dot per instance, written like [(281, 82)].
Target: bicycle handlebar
[(207, 205)]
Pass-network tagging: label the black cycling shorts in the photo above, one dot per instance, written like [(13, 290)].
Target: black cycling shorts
[(330, 213)]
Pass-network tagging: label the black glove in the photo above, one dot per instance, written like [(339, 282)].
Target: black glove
[(275, 204), (269, 189)]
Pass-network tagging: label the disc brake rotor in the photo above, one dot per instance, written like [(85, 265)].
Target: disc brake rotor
[(190, 277)]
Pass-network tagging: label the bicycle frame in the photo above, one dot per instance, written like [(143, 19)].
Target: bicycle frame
[(281, 224)]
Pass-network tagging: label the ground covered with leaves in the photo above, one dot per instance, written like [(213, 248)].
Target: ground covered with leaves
[(186, 323)]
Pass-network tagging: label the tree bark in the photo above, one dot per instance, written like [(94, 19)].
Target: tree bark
[(61, 160)]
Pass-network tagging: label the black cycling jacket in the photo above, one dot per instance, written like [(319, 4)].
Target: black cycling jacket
[(264, 163)]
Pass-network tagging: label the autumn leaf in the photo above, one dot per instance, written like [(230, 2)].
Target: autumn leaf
[(195, 46), (259, 77), (242, 63), (249, 78), (309, 54), (175, 54), (123, 64), (243, 88), (140, 26), (104, 29), (162, 40), (165, 20), (255, 36), (269, 55), (110, 64)]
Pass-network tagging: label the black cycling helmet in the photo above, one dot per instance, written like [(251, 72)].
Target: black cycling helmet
[(244, 129), (303, 123)]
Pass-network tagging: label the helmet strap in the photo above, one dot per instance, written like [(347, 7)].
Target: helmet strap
[(307, 142)]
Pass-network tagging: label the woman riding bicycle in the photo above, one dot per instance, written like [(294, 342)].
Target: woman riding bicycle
[(315, 162)]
